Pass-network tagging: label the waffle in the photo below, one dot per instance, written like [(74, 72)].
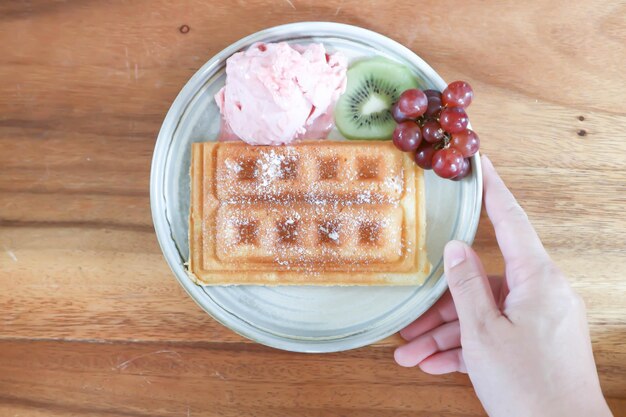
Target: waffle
[(315, 213)]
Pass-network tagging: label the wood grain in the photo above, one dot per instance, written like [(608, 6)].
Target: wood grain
[(92, 321), (227, 380)]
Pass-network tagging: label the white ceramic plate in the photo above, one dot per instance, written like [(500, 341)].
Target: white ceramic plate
[(303, 319)]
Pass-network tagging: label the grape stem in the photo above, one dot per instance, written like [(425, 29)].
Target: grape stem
[(443, 143)]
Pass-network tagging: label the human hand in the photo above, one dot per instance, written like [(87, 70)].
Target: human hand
[(523, 339)]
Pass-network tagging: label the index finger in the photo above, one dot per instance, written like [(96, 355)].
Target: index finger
[(519, 243)]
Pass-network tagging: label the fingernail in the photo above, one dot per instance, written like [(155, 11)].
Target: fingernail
[(453, 254), (402, 359)]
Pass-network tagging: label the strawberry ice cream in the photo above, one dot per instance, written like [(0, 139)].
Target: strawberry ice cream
[(276, 93)]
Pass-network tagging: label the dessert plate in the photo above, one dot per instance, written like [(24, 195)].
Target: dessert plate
[(302, 318)]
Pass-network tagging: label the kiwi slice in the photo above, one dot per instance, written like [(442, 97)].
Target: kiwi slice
[(374, 85)]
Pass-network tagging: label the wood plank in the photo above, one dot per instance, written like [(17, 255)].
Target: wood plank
[(212, 379), (209, 379)]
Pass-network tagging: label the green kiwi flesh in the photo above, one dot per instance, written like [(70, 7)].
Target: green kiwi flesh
[(363, 112)]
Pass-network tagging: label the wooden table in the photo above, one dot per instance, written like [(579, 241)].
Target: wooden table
[(92, 322)]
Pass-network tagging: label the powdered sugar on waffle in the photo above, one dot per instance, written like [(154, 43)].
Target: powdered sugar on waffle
[(269, 166), (395, 183), (270, 189), (233, 167)]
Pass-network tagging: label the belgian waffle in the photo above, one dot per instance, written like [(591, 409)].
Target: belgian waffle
[(315, 213)]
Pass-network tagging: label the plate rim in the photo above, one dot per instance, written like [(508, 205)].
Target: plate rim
[(159, 209)]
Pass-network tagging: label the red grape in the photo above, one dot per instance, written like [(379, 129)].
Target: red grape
[(397, 114), (447, 162), (407, 136), (466, 141), (432, 132), (434, 106), (412, 103), (453, 119), (432, 93), (424, 155), (466, 168), (457, 94)]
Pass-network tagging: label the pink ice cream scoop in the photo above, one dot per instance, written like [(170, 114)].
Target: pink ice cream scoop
[(276, 93)]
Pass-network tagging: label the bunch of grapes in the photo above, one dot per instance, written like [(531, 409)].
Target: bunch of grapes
[(433, 125)]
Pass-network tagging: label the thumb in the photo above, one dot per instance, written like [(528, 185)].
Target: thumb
[(469, 286)]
